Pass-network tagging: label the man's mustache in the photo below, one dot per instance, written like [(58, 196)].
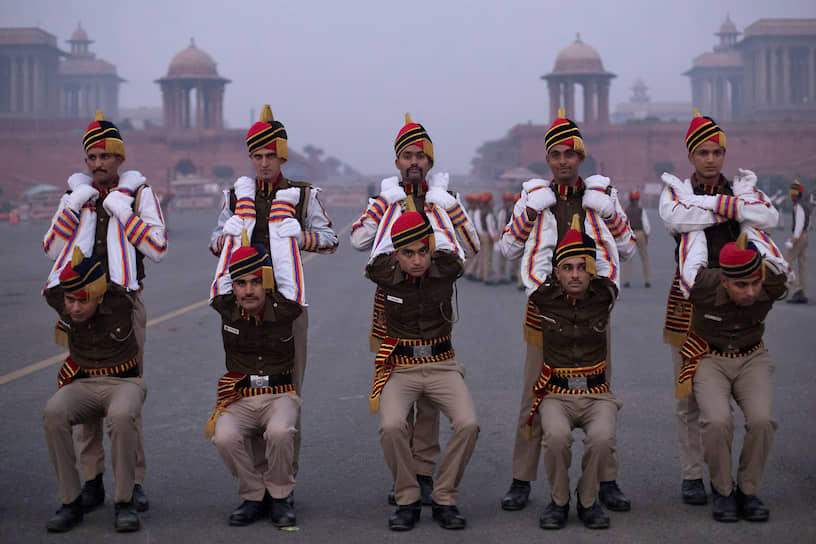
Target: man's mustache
[(100, 170)]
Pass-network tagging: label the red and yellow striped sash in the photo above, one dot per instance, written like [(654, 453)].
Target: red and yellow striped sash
[(69, 370)]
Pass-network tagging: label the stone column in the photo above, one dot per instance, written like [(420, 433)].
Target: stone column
[(569, 98), (219, 108), (812, 72), (199, 109), (26, 87), (13, 82), (786, 76), (554, 88), (590, 98), (603, 102)]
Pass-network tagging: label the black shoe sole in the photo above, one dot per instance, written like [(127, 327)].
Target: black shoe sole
[(513, 507), (280, 524), (130, 529), (694, 501), (551, 527)]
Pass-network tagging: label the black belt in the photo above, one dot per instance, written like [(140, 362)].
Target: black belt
[(263, 380), (129, 373), (734, 352), (423, 351), (581, 382)]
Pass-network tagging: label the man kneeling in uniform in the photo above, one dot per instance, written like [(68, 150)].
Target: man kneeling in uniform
[(572, 389), (257, 394), (99, 379), (724, 357), (416, 360)]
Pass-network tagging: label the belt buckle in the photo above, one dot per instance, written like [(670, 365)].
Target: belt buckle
[(258, 381), (423, 351), (576, 382)]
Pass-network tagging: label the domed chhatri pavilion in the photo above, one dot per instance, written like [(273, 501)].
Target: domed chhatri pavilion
[(192, 91), (717, 76), (580, 64), (87, 83)]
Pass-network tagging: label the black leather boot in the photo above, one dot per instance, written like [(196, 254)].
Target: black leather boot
[(405, 516), (724, 507), (554, 516), (448, 516), (140, 498), (751, 508), (283, 513), (68, 516), (593, 517), (613, 498), (517, 496), (93, 494), (694, 492), (125, 518), (248, 512)]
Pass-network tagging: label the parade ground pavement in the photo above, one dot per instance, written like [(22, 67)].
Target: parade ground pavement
[(343, 481)]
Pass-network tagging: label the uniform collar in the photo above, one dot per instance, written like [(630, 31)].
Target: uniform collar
[(563, 192)]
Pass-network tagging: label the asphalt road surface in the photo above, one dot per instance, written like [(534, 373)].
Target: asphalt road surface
[(343, 481)]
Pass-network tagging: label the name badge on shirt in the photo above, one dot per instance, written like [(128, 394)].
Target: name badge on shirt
[(394, 299), (233, 330), (713, 317)]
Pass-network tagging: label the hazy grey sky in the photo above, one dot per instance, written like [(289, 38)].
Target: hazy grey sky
[(340, 75)]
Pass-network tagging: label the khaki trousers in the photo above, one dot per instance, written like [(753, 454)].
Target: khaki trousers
[(748, 380), (255, 443), (423, 426), (526, 452), (119, 401), (273, 415), (89, 435), (560, 414), (485, 270), (643, 252), (798, 253), (442, 383), (689, 437)]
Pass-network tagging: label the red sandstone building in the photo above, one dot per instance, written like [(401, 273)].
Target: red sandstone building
[(761, 89), (48, 96)]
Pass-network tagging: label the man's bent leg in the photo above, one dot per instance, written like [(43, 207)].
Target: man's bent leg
[(689, 436), (712, 387), (446, 388), (556, 444), (279, 417), (123, 398), (425, 437), (526, 453), (753, 391), (598, 418), (231, 429), (401, 390), (71, 404), (91, 447)]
